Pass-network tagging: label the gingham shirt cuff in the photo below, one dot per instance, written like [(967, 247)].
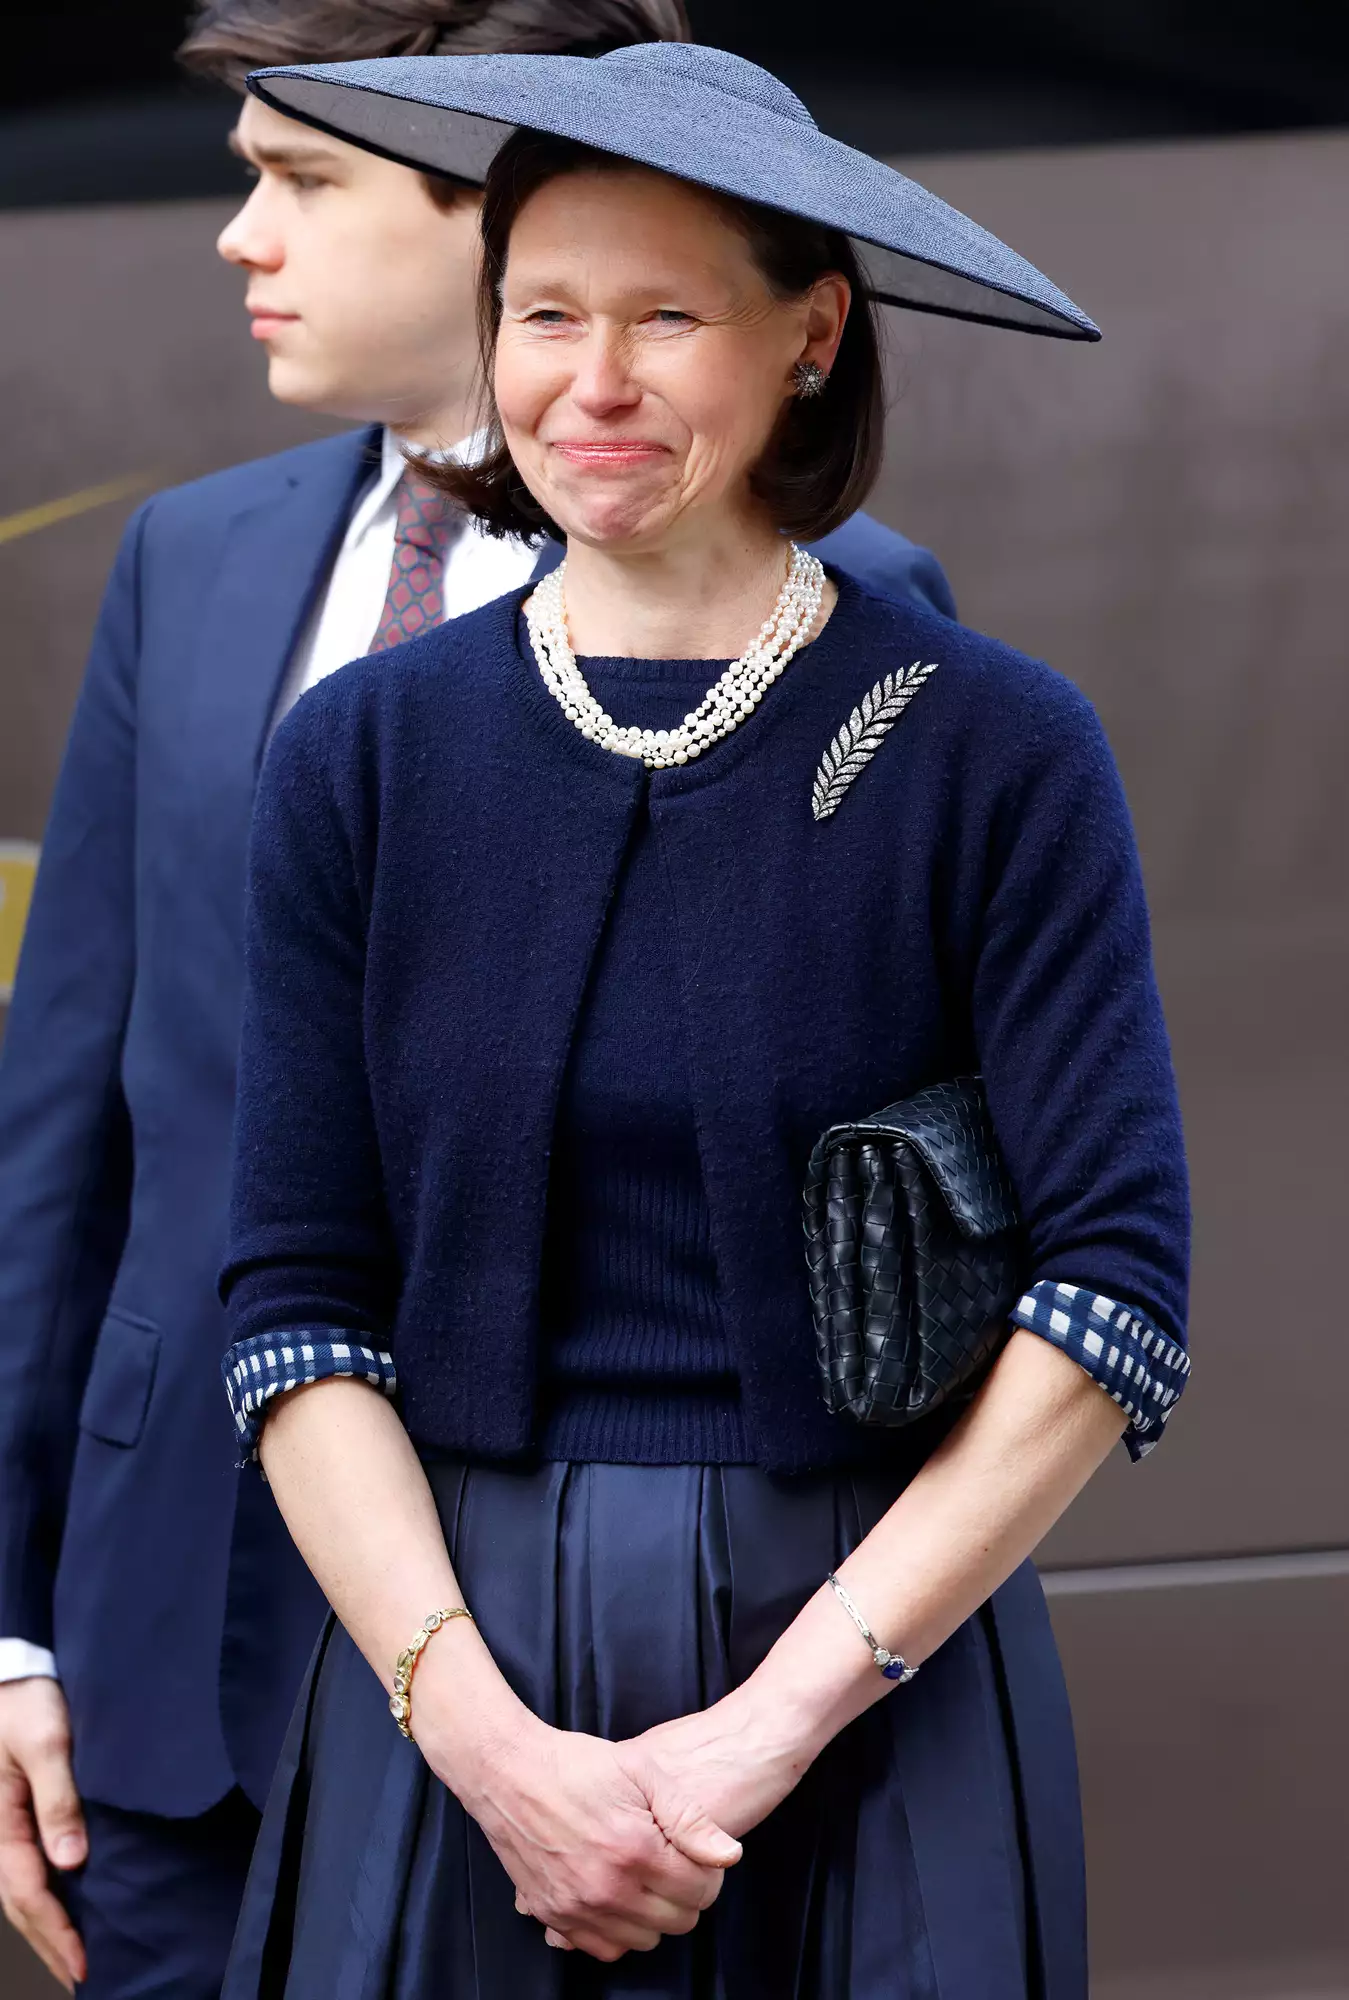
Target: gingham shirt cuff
[(1131, 1359), (265, 1366)]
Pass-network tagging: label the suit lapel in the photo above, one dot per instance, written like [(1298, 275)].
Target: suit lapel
[(275, 558)]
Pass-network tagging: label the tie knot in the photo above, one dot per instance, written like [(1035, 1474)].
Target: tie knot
[(425, 516)]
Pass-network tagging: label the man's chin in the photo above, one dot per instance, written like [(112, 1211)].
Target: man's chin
[(302, 389)]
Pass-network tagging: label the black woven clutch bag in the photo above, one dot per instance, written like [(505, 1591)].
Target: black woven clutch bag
[(913, 1244)]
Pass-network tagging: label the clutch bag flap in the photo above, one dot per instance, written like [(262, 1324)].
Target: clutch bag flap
[(913, 1252)]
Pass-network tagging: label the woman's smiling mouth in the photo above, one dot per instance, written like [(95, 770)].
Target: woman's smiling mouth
[(596, 454)]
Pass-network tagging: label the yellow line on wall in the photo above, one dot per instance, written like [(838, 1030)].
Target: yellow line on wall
[(18, 870), (30, 519)]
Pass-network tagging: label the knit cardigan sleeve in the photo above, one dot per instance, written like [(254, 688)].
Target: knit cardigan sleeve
[(314, 1297), (1073, 1048)]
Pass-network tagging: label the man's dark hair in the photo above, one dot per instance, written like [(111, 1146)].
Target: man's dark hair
[(228, 38), (823, 458)]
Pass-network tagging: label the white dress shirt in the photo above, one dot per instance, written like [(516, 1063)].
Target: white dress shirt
[(478, 567)]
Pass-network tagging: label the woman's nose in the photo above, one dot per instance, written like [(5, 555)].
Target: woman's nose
[(247, 239), (603, 381)]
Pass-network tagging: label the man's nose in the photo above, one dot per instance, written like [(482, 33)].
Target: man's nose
[(248, 240)]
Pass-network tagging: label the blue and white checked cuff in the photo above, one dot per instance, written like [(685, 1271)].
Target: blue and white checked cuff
[(267, 1364), (1125, 1353)]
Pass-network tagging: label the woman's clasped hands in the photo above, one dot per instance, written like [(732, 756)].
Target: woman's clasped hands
[(609, 1845)]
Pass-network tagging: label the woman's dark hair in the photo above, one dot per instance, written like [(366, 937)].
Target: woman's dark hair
[(824, 455)]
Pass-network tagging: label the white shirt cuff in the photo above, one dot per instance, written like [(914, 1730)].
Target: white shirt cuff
[(19, 1661)]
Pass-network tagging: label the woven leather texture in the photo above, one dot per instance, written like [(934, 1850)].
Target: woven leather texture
[(914, 1254)]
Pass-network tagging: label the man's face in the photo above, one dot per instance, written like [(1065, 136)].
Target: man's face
[(360, 286)]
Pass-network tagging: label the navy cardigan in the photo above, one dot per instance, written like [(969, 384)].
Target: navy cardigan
[(434, 850)]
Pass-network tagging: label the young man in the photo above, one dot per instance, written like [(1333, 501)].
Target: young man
[(133, 1561)]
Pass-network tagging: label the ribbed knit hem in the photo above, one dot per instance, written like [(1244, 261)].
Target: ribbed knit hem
[(668, 1427)]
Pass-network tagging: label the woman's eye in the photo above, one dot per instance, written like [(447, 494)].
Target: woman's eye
[(305, 183), (547, 316)]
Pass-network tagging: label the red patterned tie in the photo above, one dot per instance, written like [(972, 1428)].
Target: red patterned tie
[(415, 599)]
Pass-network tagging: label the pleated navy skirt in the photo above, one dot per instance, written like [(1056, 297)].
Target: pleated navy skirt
[(932, 1853)]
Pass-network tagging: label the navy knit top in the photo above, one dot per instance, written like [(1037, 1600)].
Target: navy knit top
[(634, 1360), (464, 1162)]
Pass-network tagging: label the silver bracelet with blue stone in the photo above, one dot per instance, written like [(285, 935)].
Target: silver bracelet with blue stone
[(891, 1664)]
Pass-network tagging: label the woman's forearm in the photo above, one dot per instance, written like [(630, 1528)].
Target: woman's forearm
[(358, 1505), (1028, 1444)]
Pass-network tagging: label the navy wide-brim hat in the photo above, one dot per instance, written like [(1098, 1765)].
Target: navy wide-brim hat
[(703, 115)]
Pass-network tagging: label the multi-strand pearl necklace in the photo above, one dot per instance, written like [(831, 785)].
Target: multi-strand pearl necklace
[(723, 708)]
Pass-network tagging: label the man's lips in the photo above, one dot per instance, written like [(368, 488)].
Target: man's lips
[(266, 322), (596, 453)]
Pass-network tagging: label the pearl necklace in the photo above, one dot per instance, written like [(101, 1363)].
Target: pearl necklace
[(725, 705)]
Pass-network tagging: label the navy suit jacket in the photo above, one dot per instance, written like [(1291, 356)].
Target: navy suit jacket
[(180, 1614)]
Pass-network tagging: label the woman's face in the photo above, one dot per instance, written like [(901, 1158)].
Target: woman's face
[(642, 361)]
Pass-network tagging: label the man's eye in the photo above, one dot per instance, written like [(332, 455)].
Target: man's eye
[(305, 183), (547, 316), (668, 316)]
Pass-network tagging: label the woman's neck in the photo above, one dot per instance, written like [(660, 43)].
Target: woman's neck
[(699, 602)]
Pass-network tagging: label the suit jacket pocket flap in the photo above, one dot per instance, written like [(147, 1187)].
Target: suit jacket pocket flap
[(117, 1394)]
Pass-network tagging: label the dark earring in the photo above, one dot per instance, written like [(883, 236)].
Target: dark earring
[(808, 379)]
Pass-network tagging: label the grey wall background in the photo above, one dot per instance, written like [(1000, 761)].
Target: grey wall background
[(1165, 518)]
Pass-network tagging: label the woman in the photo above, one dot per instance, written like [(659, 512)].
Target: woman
[(554, 977)]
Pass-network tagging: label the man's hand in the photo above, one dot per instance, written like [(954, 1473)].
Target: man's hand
[(40, 1821)]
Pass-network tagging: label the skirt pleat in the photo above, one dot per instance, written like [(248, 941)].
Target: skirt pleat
[(913, 1862)]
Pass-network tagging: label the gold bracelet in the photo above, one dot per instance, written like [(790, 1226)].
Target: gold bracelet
[(400, 1701)]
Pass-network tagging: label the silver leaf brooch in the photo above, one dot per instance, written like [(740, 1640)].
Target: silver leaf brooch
[(863, 734)]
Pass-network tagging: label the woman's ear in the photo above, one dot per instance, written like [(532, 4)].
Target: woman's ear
[(827, 305)]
